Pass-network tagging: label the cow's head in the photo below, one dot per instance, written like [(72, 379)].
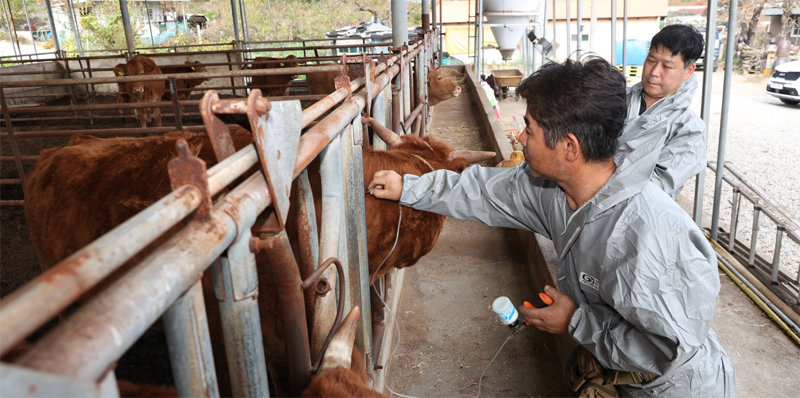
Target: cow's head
[(289, 62), (440, 87), (196, 67), (119, 70)]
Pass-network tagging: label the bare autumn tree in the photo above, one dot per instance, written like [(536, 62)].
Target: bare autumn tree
[(749, 26)]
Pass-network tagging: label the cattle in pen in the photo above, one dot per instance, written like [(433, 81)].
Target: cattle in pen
[(76, 193), (273, 85), (184, 87), (143, 91)]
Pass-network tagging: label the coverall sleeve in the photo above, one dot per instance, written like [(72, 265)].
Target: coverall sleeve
[(499, 197), (657, 301), (683, 155)]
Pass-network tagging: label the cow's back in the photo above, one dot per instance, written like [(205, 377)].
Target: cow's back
[(78, 192)]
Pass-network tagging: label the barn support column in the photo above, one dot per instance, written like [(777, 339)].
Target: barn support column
[(613, 57), (126, 25), (705, 108), (235, 19), (624, 36), (579, 35), (56, 44), (426, 16), (75, 30), (12, 30), (399, 27)]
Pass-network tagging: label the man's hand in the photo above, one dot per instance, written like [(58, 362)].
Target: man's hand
[(386, 184), (553, 318)]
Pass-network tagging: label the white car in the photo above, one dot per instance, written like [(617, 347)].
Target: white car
[(784, 83)]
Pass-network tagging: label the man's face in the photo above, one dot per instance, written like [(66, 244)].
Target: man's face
[(541, 160), (663, 73)]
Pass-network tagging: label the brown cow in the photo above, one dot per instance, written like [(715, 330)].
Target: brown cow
[(440, 87), (122, 91), (184, 86), (273, 85), (144, 91), (121, 176)]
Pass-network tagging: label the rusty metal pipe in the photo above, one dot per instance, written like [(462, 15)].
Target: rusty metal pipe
[(293, 311), (339, 307), (412, 117)]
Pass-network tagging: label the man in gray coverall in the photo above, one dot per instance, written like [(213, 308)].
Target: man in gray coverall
[(638, 281), (666, 90)]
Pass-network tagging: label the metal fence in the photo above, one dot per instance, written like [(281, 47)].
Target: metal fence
[(77, 356)]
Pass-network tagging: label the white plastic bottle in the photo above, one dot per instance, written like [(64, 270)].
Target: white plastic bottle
[(505, 312)]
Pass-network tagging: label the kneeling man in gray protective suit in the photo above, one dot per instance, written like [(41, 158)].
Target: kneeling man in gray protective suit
[(638, 280)]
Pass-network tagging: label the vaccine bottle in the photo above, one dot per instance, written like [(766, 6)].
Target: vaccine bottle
[(506, 313)]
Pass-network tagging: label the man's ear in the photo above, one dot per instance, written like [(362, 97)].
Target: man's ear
[(572, 148), (689, 71)]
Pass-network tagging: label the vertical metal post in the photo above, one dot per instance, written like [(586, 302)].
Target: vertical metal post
[(189, 343), (751, 260), (625, 38), (776, 256), (569, 32), (126, 25), (555, 24), (399, 24), (356, 232), (12, 140), (705, 109), (75, 30), (579, 21), (243, 22), (613, 57), (235, 281), (434, 15), (235, 19), (11, 29), (149, 24), (176, 107), (53, 31), (426, 16), (479, 39), (723, 124), (737, 198), (441, 32), (30, 28)]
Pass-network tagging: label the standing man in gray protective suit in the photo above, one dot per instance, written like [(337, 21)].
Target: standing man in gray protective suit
[(666, 90), (638, 280)]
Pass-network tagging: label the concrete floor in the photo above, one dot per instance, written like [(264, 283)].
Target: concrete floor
[(447, 334)]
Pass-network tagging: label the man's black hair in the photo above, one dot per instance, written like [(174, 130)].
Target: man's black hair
[(585, 98), (680, 39)]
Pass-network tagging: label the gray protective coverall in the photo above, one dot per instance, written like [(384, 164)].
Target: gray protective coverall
[(641, 272), (684, 151)]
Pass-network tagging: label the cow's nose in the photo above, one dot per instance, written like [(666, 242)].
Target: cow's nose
[(457, 91)]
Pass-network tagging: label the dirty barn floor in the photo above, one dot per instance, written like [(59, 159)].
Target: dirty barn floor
[(447, 331)]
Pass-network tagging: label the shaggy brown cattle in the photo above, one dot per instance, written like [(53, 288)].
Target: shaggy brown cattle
[(144, 91), (184, 86), (273, 85), (122, 91), (118, 177)]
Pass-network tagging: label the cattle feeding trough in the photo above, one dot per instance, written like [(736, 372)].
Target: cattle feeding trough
[(166, 282)]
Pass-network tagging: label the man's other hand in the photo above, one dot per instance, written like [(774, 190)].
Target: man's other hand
[(386, 184), (553, 318)]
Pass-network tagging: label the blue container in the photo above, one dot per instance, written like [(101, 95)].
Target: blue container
[(636, 51)]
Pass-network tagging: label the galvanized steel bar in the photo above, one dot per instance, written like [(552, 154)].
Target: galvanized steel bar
[(705, 108), (126, 26), (399, 22), (751, 260), (83, 345), (235, 282), (189, 345), (569, 32), (625, 38), (723, 124), (356, 231), (776, 256), (30, 29), (613, 57), (579, 21), (332, 183), (737, 198), (235, 20)]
